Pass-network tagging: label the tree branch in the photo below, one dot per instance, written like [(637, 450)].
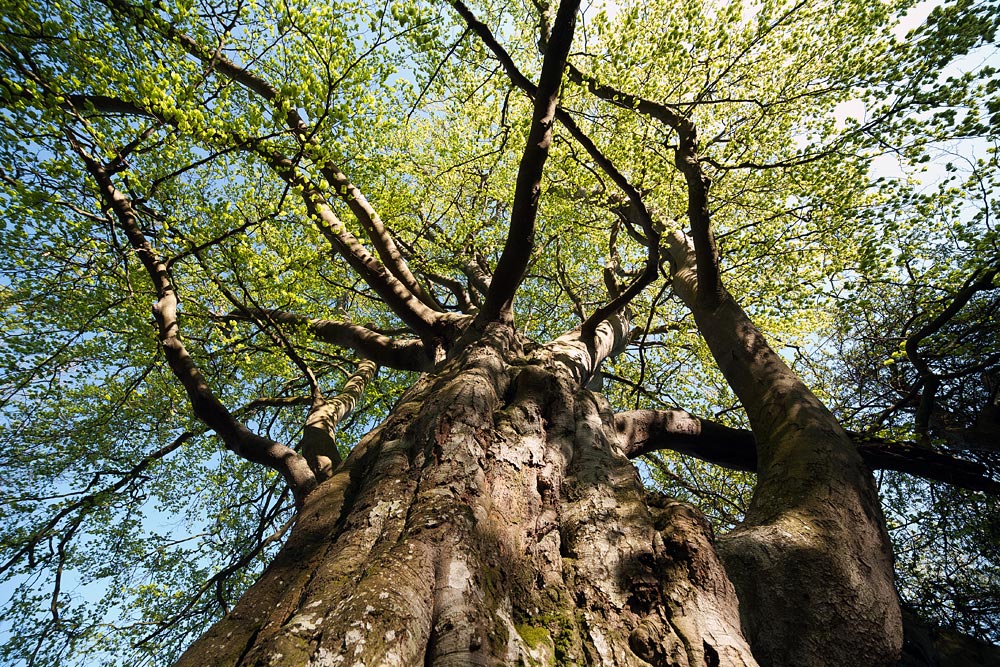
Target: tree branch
[(524, 211), (432, 326), (462, 298), (317, 443), (406, 355), (582, 353), (207, 407), (977, 282), (90, 500), (634, 196), (687, 161), (644, 431), (475, 270), (367, 216), (429, 324), (236, 565)]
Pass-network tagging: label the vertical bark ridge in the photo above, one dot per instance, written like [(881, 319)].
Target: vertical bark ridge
[(454, 507), (233, 636), (649, 586), (366, 552), (493, 520), (814, 518)]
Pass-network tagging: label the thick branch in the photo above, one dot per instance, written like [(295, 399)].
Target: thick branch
[(407, 355), (930, 646), (318, 444), (423, 320), (636, 205), (432, 326), (582, 353), (479, 279), (644, 431), (524, 211), (380, 237), (236, 436)]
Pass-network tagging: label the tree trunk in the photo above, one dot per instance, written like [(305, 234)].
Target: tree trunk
[(812, 561), (492, 519)]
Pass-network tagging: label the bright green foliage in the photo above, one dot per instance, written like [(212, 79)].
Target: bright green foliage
[(830, 235)]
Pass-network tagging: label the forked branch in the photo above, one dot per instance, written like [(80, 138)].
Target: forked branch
[(429, 324), (636, 203), (318, 443), (520, 242), (687, 161), (383, 242)]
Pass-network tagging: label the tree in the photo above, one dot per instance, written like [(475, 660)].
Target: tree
[(435, 275)]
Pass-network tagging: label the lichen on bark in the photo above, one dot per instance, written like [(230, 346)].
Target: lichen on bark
[(492, 519)]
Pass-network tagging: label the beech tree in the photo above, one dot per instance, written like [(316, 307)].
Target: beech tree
[(487, 333)]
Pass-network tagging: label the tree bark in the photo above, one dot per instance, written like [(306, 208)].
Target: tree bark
[(812, 561), (645, 431), (492, 519)]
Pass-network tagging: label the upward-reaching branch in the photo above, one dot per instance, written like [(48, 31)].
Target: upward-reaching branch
[(812, 487), (687, 161), (318, 444), (429, 324), (432, 326), (636, 204), (524, 211), (381, 239)]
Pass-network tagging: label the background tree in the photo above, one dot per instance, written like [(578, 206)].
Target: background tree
[(573, 231)]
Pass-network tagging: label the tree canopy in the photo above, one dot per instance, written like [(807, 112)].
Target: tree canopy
[(300, 190)]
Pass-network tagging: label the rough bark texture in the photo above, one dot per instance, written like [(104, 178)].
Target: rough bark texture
[(495, 519), (814, 518), (491, 520), (811, 562)]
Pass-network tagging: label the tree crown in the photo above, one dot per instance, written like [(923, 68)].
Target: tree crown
[(305, 191)]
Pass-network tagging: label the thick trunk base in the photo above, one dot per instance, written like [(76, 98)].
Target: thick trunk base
[(491, 520)]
